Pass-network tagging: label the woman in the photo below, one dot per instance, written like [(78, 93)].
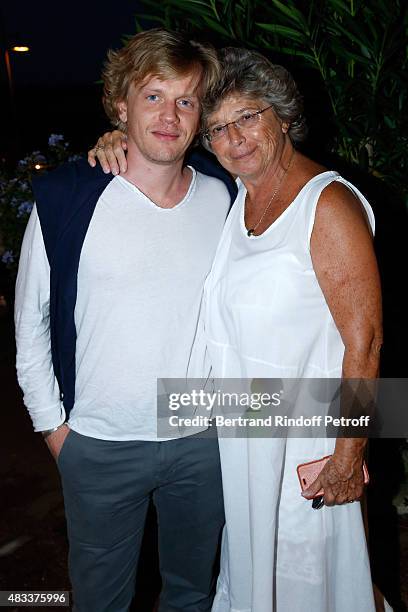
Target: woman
[(294, 292)]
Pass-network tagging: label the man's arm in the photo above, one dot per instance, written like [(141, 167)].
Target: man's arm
[(34, 364)]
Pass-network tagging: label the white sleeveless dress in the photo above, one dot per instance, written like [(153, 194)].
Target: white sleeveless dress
[(264, 315)]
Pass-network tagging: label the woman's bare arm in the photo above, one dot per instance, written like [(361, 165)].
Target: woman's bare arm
[(346, 268)]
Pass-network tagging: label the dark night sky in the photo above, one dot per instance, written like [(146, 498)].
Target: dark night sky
[(55, 88), (68, 40)]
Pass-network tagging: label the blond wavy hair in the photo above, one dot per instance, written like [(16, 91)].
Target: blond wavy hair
[(159, 53)]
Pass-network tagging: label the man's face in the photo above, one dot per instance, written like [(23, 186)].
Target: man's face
[(162, 116)]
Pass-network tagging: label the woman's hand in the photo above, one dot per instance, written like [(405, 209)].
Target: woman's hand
[(342, 478), (110, 151)]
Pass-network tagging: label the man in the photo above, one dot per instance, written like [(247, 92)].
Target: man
[(107, 300)]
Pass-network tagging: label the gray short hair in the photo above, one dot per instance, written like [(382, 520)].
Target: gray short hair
[(249, 73)]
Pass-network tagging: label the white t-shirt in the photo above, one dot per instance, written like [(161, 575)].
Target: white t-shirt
[(140, 279)]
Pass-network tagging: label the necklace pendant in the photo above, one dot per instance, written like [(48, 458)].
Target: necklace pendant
[(250, 232)]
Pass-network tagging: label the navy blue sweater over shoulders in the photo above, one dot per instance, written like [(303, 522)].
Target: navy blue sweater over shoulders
[(66, 200)]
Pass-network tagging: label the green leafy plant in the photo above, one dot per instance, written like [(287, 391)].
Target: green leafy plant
[(16, 197), (356, 53)]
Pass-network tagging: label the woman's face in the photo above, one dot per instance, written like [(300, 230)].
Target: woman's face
[(247, 151)]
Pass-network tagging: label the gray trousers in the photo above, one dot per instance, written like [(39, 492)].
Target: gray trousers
[(107, 487)]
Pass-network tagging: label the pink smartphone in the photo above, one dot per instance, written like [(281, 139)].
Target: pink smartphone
[(308, 472)]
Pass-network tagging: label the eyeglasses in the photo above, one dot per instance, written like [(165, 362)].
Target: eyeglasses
[(247, 120)]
